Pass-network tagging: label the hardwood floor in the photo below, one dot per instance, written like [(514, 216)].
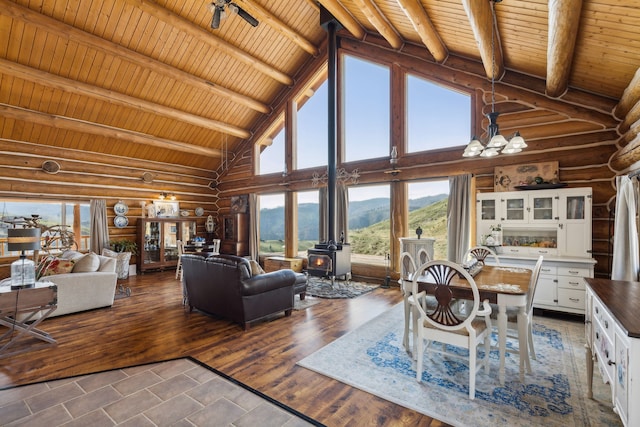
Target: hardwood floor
[(152, 325)]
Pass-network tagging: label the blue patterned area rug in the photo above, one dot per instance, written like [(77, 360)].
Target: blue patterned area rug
[(371, 358)]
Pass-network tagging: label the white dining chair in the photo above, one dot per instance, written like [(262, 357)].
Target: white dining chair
[(514, 328), (216, 246), (480, 253), (180, 244), (407, 270), (423, 256), (443, 325)]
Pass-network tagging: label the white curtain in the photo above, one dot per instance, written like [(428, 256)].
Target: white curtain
[(254, 226), (458, 212), (342, 214), (99, 225), (626, 262), (323, 217)]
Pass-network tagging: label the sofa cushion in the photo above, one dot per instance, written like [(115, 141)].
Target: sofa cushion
[(255, 268), (51, 265), (72, 255), (88, 263)]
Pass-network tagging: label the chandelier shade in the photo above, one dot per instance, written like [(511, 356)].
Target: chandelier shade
[(496, 143)]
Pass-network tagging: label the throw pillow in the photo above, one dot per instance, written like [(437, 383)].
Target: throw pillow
[(87, 263), (51, 265), (255, 268)]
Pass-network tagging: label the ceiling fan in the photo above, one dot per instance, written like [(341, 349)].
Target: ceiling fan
[(218, 9)]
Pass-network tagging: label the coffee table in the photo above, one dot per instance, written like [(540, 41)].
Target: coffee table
[(22, 310)]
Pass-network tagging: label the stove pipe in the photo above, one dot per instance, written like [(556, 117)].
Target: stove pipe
[(331, 25)]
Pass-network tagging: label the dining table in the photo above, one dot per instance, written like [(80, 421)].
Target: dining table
[(500, 285), (205, 249)]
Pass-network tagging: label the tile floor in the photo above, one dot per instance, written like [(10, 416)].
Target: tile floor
[(180, 392)]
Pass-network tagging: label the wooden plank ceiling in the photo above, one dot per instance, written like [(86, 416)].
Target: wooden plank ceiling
[(151, 80)]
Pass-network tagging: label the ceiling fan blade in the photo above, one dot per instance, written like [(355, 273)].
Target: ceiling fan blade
[(215, 22), (245, 15)]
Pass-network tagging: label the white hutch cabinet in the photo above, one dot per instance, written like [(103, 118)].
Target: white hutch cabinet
[(555, 223)]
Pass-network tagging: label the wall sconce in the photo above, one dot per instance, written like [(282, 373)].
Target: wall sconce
[(393, 159), (165, 195)]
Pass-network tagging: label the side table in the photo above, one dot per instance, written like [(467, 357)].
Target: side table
[(21, 306)]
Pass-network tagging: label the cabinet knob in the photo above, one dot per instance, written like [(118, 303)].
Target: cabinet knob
[(610, 362)]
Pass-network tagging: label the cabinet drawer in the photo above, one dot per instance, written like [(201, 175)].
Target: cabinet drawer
[(542, 251), (605, 354), (574, 271), (602, 317), (571, 298), (549, 271), (571, 283), (515, 250)]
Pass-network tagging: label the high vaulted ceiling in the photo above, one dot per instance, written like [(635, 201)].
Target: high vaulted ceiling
[(152, 80)]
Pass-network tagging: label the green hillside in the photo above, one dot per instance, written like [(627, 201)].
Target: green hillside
[(374, 239)]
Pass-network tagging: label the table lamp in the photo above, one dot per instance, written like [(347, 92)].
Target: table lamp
[(23, 270)]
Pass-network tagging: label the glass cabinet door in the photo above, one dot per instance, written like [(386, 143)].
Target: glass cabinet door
[(543, 208), (575, 207), (488, 209), (187, 231), (514, 209), (151, 242), (170, 234)]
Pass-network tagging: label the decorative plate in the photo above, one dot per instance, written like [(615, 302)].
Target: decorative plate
[(184, 213), (199, 211), (120, 221), (120, 208)]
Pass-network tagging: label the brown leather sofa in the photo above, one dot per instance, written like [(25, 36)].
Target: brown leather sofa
[(222, 285)]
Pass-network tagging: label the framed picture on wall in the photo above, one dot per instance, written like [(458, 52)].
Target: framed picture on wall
[(510, 178), (166, 209)]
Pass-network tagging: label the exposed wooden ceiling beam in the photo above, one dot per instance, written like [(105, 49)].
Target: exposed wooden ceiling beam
[(482, 22), (210, 39), (564, 21), (266, 17), (380, 22), (73, 86), (63, 30), (424, 27), (71, 124), (344, 17), (630, 97)]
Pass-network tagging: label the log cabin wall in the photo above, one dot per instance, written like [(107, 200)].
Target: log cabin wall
[(84, 175), (577, 129)]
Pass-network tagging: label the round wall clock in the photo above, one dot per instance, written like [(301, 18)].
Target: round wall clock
[(120, 221), (120, 208)]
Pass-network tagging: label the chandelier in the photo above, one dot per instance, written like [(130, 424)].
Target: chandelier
[(497, 144)]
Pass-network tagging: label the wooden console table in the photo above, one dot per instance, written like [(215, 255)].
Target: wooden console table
[(612, 326), (21, 306), (276, 263)]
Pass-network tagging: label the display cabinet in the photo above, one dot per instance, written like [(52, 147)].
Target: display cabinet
[(235, 234), (554, 223), (158, 241)]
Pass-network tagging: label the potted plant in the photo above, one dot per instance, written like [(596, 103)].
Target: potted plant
[(124, 245)]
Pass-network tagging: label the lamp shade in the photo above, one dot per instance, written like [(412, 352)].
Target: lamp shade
[(23, 239)]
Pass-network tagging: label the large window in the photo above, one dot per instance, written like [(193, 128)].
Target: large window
[(271, 224), (313, 130), (58, 215), (428, 210), (437, 117), (369, 225), (308, 220), (367, 109)]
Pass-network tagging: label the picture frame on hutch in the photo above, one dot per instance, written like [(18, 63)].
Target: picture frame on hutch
[(166, 209)]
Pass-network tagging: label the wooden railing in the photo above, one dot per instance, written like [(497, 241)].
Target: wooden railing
[(83, 246)]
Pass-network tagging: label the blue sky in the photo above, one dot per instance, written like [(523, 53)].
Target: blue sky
[(436, 117)]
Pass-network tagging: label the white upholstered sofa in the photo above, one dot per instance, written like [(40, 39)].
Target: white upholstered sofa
[(91, 286)]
